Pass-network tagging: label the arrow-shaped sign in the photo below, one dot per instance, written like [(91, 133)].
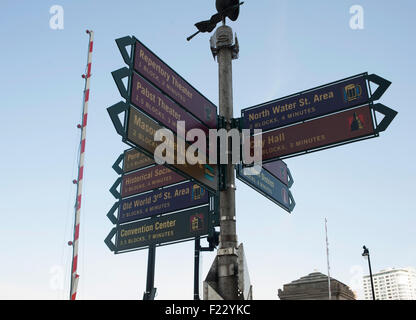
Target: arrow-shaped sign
[(382, 83), (108, 241), (389, 115), (110, 214), (268, 185), (113, 189), (144, 96), (280, 170), (118, 77), (144, 62), (116, 166), (122, 44), (114, 112)]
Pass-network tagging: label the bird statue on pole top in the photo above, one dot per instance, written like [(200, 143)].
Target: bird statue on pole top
[(228, 8), (225, 8)]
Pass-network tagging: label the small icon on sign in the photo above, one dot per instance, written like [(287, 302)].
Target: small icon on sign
[(209, 172), (356, 122), (197, 192), (197, 222), (285, 196), (352, 92)]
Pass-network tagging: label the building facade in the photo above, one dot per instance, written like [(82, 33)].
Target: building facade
[(314, 286), (391, 284)]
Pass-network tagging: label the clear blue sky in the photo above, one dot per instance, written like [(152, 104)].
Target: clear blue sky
[(364, 189)]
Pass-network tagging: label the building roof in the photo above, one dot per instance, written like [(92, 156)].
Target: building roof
[(312, 277), (314, 286)]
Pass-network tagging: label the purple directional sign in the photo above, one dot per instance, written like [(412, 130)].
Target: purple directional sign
[(169, 199), (280, 170), (148, 179), (308, 104), (134, 160), (160, 107), (171, 83)]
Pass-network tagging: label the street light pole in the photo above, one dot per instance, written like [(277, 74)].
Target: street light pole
[(366, 253)]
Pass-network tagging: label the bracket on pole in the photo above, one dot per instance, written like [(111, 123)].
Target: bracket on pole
[(116, 166), (110, 214), (118, 77), (113, 189), (114, 111), (221, 122), (236, 123), (214, 49), (223, 176), (108, 241)]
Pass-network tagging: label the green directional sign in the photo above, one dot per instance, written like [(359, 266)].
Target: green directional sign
[(182, 226), (267, 185)]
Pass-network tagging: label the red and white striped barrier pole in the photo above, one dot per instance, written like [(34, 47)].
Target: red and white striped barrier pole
[(74, 243)]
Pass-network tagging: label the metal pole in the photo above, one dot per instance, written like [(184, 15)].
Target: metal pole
[(196, 267), (150, 281), (79, 181), (227, 252), (371, 277)]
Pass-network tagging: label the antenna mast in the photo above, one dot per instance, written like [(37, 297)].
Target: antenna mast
[(327, 260)]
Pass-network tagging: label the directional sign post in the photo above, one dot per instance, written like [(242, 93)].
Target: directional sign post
[(179, 201)]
